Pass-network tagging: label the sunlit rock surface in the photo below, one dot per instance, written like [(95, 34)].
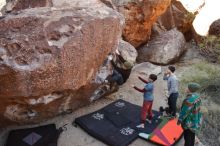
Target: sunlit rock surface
[(49, 58), (176, 16), (140, 15)]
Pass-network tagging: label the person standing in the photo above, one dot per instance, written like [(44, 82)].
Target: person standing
[(190, 116), (172, 85), (148, 99)]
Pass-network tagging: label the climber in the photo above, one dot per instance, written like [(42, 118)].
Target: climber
[(121, 65), (146, 111), (115, 78)]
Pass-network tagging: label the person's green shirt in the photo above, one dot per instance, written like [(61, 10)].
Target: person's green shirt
[(190, 115)]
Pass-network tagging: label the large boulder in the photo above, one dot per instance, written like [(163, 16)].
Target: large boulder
[(140, 15), (49, 58), (163, 49)]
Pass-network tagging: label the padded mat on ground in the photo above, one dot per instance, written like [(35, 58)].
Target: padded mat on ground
[(167, 133), (116, 123), (40, 136)]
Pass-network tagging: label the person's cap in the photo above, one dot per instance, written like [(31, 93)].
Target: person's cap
[(193, 87)]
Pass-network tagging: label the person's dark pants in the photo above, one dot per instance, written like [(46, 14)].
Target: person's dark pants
[(189, 137), (172, 103)]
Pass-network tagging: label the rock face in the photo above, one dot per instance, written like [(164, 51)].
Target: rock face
[(176, 16), (163, 49), (49, 57), (140, 15)]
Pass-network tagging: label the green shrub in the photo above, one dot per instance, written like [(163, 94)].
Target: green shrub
[(203, 73)]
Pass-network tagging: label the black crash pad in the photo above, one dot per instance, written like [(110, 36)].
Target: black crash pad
[(40, 136), (116, 123)]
